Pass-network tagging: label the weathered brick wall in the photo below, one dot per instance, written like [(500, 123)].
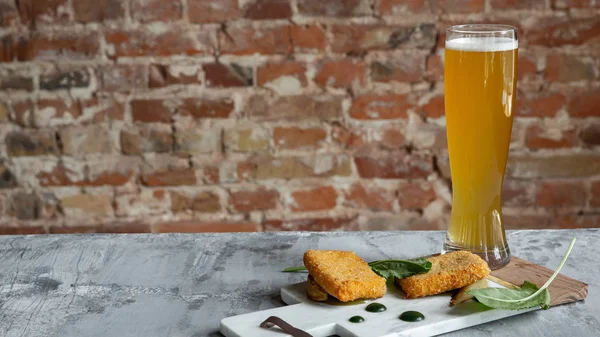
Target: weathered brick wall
[(193, 115)]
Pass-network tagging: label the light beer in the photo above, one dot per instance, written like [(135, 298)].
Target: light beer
[(479, 88)]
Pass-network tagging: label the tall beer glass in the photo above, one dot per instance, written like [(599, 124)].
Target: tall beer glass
[(480, 82)]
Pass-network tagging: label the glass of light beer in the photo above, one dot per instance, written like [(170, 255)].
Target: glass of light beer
[(480, 83)]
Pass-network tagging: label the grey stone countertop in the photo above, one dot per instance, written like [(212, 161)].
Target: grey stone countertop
[(184, 284)]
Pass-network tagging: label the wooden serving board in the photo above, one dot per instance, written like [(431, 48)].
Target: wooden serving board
[(324, 319)]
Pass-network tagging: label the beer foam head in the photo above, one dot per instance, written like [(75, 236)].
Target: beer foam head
[(487, 43)]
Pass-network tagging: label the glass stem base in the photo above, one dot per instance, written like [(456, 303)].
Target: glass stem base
[(496, 257)]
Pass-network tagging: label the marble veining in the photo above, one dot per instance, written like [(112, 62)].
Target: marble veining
[(184, 284)]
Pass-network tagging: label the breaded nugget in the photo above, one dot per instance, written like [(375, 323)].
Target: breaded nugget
[(314, 291), (449, 271), (344, 275)]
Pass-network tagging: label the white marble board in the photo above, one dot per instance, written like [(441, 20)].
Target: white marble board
[(323, 319)]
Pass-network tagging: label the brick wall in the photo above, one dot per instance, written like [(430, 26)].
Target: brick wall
[(226, 115)]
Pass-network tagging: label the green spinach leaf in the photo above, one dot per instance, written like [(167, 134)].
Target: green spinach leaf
[(528, 296), (389, 268), (400, 268)]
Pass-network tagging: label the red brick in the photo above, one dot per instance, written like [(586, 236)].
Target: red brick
[(102, 110), (62, 175), (48, 11), (204, 202), (23, 113), (260, 199), (206, 108), (435, 68), (393, 165), (80, 141), (227, 75), (340, 73), (518, 193), (56, 109), (166, 75), (8, 13), (98, 10), (585, 104), (65, 78), (268, 167), (395, 7), (22, 230), (429, 136), (367, 138), (193, 139), (434, 108), (67, 45), (578, 221), (294, 108), (87, 205), (173, 177), (539, 104), (415, 195), (528, 221), (536, 138), (144, 42), (312, 224), (151, 111), (267, 10), (29, 143), (307, 38), (13, 80), (409, 68), (371, 198), (342, 8), (141, 203), (299, 138), (272, 72), (590, 134), (380, 107), (459, 6), (122, 77), (138, 140), (156, 10), (358, 39), (110, 179), (314, 199), (527, 68), (518, 4), (109, 227), (192, 226), (210, 175), (247, 137), (595, 189), (555, 32), (249, 40), (557, 194), (575, 3), (14, 47), (553, 166), (205, 11), (567, 68)]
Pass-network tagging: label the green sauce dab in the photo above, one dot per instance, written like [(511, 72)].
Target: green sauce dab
[(376, 307), (412, 316)]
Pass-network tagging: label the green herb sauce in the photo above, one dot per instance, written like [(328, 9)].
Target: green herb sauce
[(412, 316), (356, 319), (376, 307)]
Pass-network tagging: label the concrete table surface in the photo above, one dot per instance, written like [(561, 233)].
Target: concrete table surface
[(184, 284)]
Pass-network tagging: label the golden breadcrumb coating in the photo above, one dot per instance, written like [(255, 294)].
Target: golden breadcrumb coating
[(449, 271), (344, 275)]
